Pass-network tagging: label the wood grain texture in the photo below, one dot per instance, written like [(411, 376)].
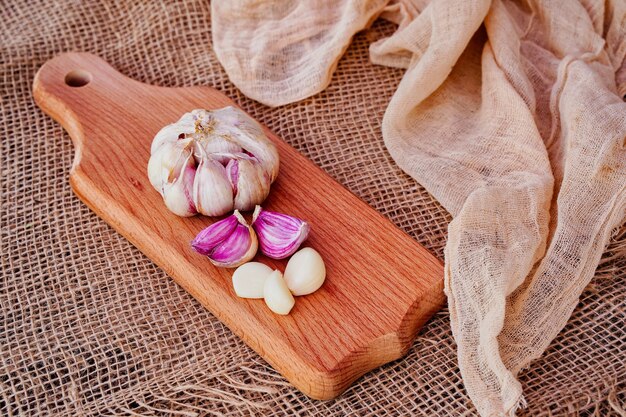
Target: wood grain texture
[(381, 285)]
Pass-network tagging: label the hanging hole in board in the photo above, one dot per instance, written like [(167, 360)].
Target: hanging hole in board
[(77, 78)]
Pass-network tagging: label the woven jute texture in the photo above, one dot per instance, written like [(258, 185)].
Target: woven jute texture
[(90, 326)]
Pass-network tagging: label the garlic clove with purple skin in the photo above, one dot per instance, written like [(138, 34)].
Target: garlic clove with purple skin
[(227, 243), (280, 235), (212, 236), (238, 248)]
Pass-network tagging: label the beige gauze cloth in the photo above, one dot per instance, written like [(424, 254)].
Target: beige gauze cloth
[(510, 113)]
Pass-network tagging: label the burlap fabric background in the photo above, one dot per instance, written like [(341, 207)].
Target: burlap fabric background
[(89, 326)]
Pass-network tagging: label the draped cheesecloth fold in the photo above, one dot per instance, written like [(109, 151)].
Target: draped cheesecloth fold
[(510, 113)]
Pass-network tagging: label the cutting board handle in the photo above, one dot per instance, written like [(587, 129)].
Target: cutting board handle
[(63, 85), (64, 88)]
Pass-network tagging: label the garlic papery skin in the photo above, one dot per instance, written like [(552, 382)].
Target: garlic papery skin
[(212, 191), (168, 161), (172, 133), (226, 137), (249, 279), (251, 184), (227, 243), (280, 235), (177, 195), (276, 294), (305, 272)]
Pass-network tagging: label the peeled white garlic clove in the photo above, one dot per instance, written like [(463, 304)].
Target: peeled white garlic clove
[(305, 272), (226, 136), (277, 296), (227, 243), (212, 192), (280, 235), (249, 279)]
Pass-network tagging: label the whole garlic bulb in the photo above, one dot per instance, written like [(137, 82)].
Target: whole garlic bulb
[(212, 162)]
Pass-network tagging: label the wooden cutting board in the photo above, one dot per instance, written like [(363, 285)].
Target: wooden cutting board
[(381, 285)]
